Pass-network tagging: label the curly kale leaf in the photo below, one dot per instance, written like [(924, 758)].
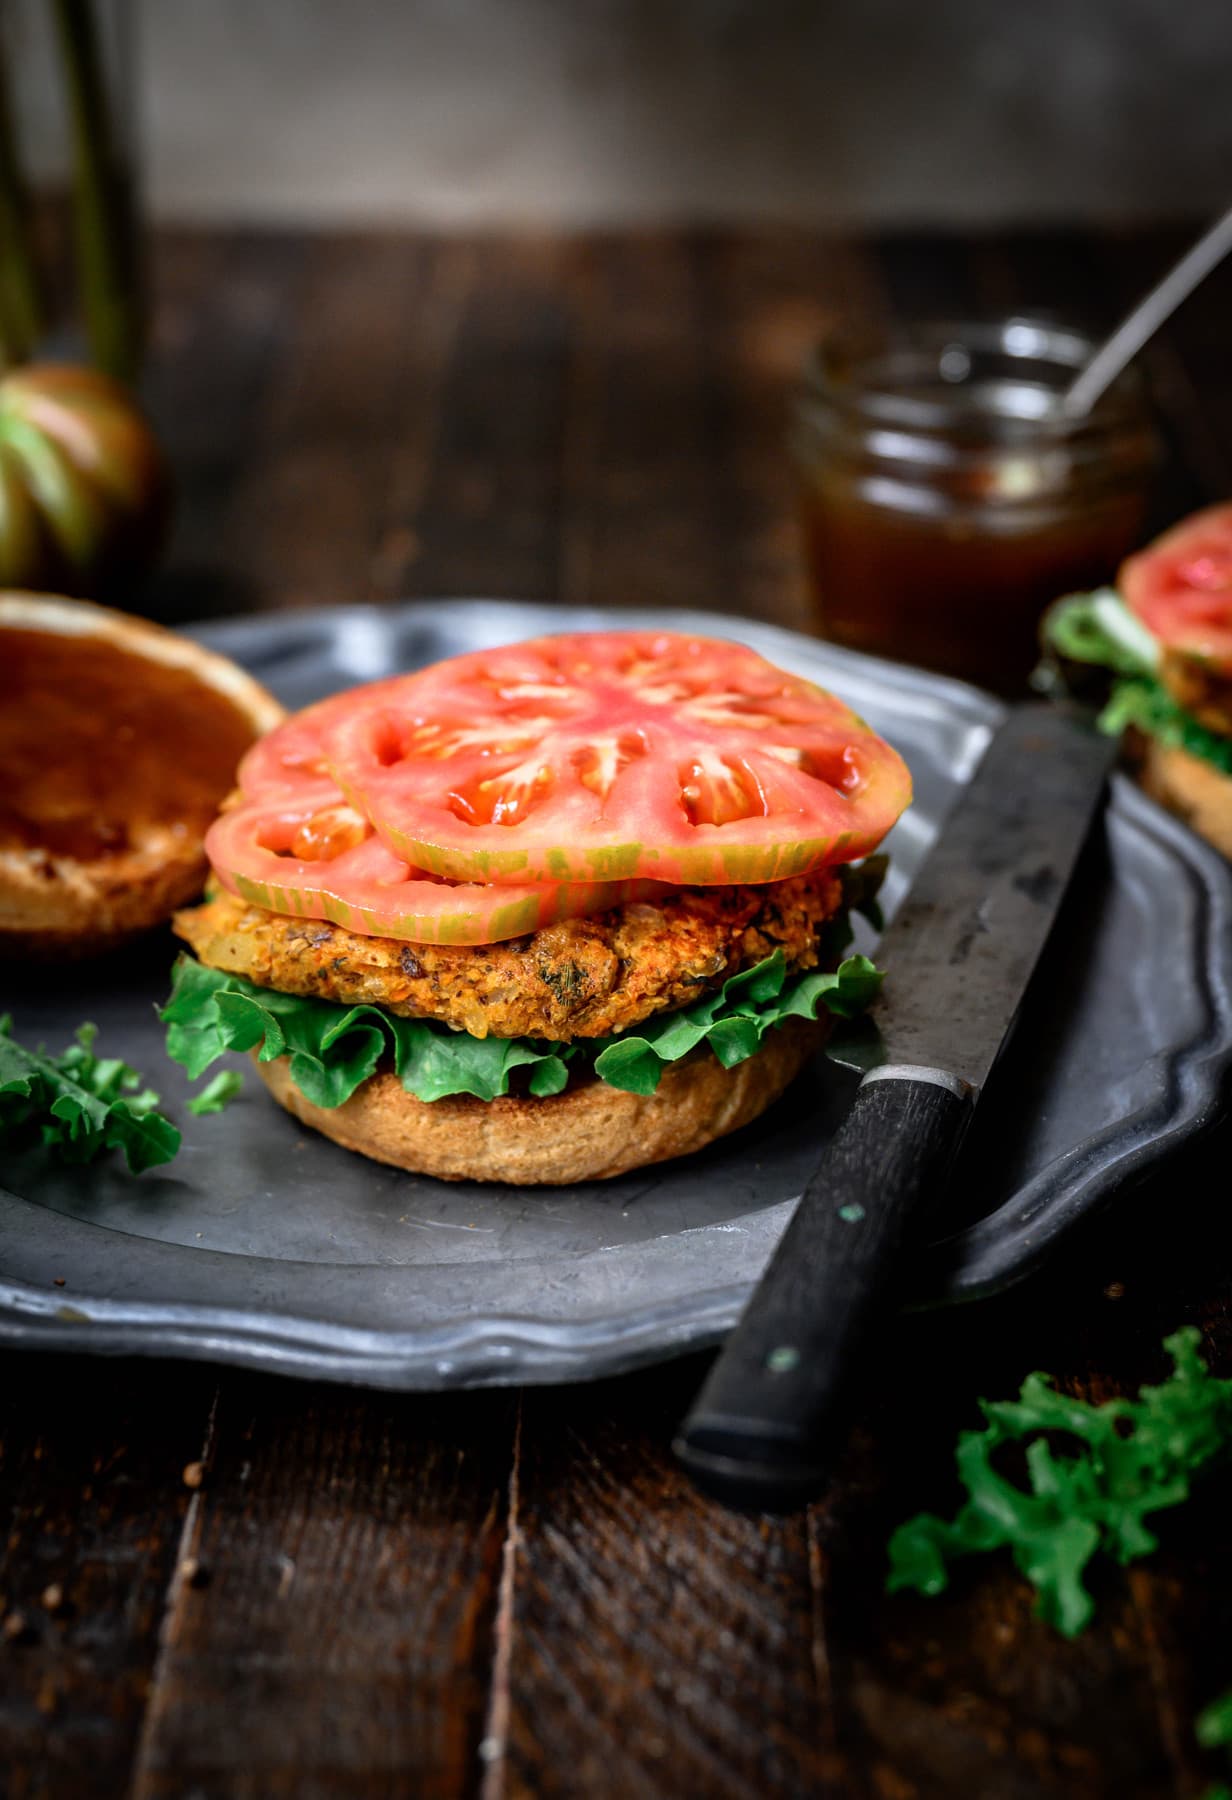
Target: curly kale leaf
[(80, 1104), (1131, 1458)]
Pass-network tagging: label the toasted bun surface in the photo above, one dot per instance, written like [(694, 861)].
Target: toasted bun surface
[(588, 1133), (1195, 790), (72, 902)]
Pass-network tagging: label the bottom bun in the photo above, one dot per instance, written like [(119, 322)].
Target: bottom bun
[(588, 1133), (1195, 790)]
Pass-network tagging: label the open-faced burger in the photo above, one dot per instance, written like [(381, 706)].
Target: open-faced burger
[(543, 913), (118, 743), (1165, 635)]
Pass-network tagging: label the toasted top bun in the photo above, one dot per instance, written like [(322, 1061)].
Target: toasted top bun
[(118, 743), (589, 1133)]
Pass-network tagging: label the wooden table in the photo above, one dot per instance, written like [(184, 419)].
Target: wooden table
[(222, 1585)]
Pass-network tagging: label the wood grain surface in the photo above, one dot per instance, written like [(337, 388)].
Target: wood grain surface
[(217, 1585)]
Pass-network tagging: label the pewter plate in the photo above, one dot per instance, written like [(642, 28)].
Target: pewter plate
[(265, 1245)]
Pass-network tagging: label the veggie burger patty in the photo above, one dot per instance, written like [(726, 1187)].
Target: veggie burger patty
[(579, 978)]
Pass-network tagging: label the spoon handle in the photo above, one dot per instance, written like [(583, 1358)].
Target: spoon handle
[(1146, 318)]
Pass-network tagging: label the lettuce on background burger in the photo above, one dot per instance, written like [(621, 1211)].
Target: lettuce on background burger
[(1164, 635)]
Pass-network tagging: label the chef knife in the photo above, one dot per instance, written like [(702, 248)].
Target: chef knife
[(959, 955)]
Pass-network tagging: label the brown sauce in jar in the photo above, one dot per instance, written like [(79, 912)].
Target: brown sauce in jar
[(98, 746), (947, 498), (954, 593)]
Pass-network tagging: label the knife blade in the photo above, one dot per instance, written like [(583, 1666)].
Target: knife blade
[(959, 956)]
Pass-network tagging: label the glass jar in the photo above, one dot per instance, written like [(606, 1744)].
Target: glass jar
[(947, 498)]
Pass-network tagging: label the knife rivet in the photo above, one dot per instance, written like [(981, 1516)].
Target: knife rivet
[(783, 1360)]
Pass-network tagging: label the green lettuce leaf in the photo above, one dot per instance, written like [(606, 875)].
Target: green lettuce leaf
[(332, 1049), (1214, 1723), (80, 1104), (736, 1019), (1099, 628), (1132, 1458), (217, 1094), (1213, 1730), (1144, 703)]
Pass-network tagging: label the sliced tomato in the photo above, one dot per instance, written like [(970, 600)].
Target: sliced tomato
[(1181, 587), (608, 756), (308, 855), (291, 759)]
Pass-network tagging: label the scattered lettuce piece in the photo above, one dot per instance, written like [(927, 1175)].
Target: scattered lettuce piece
[(80, 1104), (1131, 1458), (1099, 628), (218, 1093), (1214, 1723), (332, 1049), (1213, 1730), (1152, 709)]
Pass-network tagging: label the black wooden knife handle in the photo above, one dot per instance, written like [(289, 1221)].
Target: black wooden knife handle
[(757, 1434)]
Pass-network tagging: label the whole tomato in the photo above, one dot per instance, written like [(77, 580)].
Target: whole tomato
[(84, 491)]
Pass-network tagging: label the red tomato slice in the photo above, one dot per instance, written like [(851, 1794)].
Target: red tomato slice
[(611, 755), (291, 758), (1181, 586), (308, 855)]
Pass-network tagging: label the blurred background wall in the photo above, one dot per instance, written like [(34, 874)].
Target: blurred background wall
[(576, 112)]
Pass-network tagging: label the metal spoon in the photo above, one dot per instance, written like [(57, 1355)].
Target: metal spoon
[(1144, 321)]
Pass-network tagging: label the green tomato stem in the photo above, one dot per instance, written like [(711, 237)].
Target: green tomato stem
[(21, 301), (104, 201)]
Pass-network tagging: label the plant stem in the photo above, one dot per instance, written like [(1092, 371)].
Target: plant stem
[(107, 258), (21, 310)]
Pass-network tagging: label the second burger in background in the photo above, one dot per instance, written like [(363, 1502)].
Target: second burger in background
[(1164, 635)]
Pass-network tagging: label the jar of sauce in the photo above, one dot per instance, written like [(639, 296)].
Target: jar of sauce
[(947, 498)]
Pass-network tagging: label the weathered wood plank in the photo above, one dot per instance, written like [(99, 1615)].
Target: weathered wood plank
[(769, 299), (321, 511), (924, 275), (91, 1509), (660, 1645), (223, 301), (335, 1638), (487, 521), (642, 523), (1186, 364)]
